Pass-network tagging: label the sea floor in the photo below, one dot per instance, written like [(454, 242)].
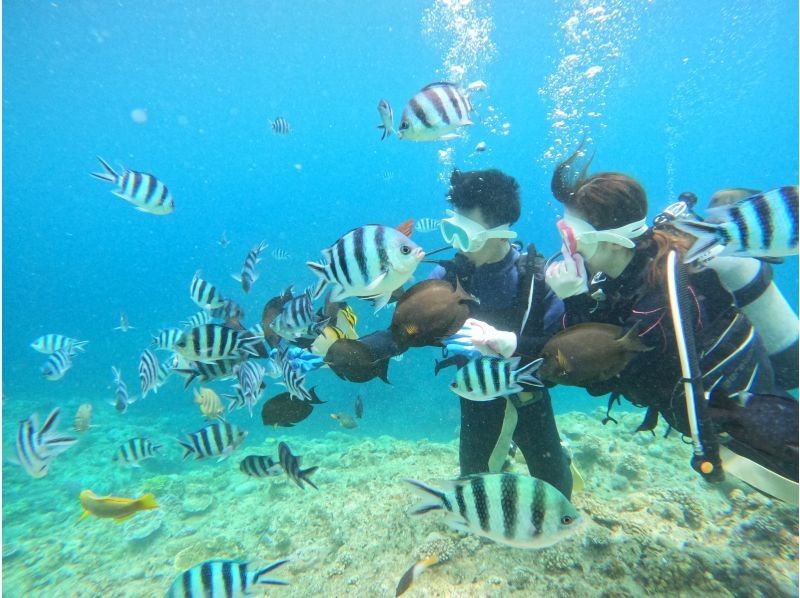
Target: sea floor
[(654, 527)]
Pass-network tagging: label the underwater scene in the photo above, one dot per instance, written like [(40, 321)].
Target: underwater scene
[(434, 298)]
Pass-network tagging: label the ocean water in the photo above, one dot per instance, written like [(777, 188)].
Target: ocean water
[(682, 97)]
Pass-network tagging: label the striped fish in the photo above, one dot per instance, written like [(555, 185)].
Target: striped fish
[(204, 372), (222, 578), (294, 381), (508, 508), (217, 439), (121, 399), (50, 343), (136, 450), (280, 126), (427, 225), (249, 386), (165, 339), (249, 274), (149, 368), (763, 225), (198, 319), (435, 113), (260, 466), (487, 378), (212, 342), (370, 262), (38, 446), (295, 318), (204, 293), (144, 191), (230, 311), (291, 465), (387, 118), (57, 364), (280, 254)]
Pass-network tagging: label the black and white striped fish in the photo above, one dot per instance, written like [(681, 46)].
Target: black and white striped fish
[(295, 318), (427, 225), (763, 225), (217, 439), (218, 370), (50, 343), (149, 368), (121, 399), (218, 578), (280, 254), (144, 191), (508, 508), (249, 386), (291, 465), (370, 262), (435, 113), (487, 378), (165, 339), (249, 274), (57, 364), (230, 311), (212, 342), (204, 293), (198, 319), (38, 446), (294, 381), (135, 450), (280, 126), (387, 118), (260, 466)]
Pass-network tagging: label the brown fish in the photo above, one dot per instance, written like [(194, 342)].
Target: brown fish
[(83, 418), (585, 354), (352, 360), (345, 420), (284, 411), (271, 309), (428, 312)]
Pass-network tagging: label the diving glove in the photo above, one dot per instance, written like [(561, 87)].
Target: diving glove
[(567, 278), (477, 338)]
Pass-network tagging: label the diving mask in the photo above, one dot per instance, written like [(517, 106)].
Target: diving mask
[(581, 237), (468, 236)]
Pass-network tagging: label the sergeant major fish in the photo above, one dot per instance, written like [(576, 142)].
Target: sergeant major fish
[(38, 446), (149, 370), (165, 339), (217, 439), (487, 378), (212, 342), (50, 343), (280, 126), (204, 293), (435, 113), (250, 384), (57, 364), (260, 466), (223, 578), (136, 450), (291, 465), (427, 225), (249, 274), (387, 118), (121, 399), (144, 191)]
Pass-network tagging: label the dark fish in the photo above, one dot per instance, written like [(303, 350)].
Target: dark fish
[(359, 407), (281, 126), (291, 465), (352, 360), (260, 466), (222, 578), (585, 354), (428, 312), (284, 411), (271, 310), (767, 423)]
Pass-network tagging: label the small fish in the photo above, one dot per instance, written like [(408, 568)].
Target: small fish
[(83, 418), (136, 450), (435, 113), (296, 318), (149, 371), (200, 318), (427, 225), (205, 372), (291, 465), (328, 336), (260, 466), (223, 240), (280, 126), (764, 225), (345, 420), (124, 325), (477, 86), (165, 339), (369, 262), (57, 364), (387, 118), (114, 507), (144, 191), (38, 446), (50, 343), (212, 342), (229, 312), (359, 407), (209, 402), (249, 274), (480, 147), (413, 573), (204, 293), (487, 378), (121, 399), (280, 254), (250, 384), (294, 381), (284, 411), (354, 361), (217, 439), (512, 509), (223, 578)]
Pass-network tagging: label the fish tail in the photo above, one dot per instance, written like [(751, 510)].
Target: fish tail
[(148, 501), (108, 173), (322, 283), (188, 449), (525, 373), (258, 575), (426, 492), (304, 474), (707, 237), (410, 576)]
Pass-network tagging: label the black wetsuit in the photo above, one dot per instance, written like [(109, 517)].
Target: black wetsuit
[(505, 296)]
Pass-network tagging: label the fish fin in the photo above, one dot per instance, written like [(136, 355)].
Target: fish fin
[(449, 136), (425, 492), (339, 293), (188, 449), (413, 573), (108, 173), (304, 474), (382, 301), (525, 373), (236, 277), (377, 281), (258, 575), (630, 341), (578, 484), (707, 235), (83, 516), (407, 227), (148, 501)]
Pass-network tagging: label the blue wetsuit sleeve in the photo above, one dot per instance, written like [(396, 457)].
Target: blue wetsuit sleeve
[(437, 274)]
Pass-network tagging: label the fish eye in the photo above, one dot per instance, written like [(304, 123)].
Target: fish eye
[(405, 249), (404, 125), (567, 520), (454, 385)]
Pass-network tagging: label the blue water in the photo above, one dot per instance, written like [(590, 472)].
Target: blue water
[(697, 99)]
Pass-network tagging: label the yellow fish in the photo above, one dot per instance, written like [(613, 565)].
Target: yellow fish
[(114, 507), (346, 318), (209, 402)]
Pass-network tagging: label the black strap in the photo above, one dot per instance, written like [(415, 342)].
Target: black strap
[(755, 288)]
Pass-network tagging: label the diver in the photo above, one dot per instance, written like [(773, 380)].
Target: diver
[(614, 270)]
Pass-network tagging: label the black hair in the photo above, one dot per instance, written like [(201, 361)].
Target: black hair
[(495, 193)]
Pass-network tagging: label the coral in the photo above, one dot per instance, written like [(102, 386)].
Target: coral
[(693, 514), (632, 467), (144, 527), (520, 578), (197, 504), (597, 538), (762, 527), (443, 548), (558, 559)]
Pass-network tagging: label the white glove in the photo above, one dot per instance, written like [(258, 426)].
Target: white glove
[(567, 278), (487, 339)]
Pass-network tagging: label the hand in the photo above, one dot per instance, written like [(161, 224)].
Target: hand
[(483, 338), (567, 278)]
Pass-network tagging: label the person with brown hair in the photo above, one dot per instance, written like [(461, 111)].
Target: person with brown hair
[(614, 271)]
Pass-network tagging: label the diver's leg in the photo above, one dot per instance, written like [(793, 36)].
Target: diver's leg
[(481, 423), (537, 437)]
